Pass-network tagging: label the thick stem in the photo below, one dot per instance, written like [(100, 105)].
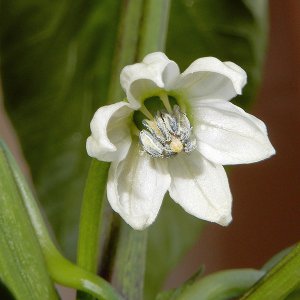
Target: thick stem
[(129, 268), (129, 264)]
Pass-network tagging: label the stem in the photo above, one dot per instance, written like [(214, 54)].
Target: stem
[(129, 265), (92, 205)]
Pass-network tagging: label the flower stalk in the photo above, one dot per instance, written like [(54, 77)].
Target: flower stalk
[(130, 260), (152, 35)]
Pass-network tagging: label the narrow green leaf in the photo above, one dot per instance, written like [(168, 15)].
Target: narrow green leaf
[(221, 285), (280, 281), (22, 266), (60, 269)]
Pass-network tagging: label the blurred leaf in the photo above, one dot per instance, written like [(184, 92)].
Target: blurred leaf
[(276, 258), (221, 285), (22, 265), (174, 293), (229, 30), (280, 281), (56, 59)]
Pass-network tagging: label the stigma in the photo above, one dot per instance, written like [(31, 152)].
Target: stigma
[(167, 135)]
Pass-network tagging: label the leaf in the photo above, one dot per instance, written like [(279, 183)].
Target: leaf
[(59, 268), (22, 265), (230, 30), (56, 59), (221, 285), (280, 281)]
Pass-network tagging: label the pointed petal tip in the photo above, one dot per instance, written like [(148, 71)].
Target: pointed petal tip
[(225, 219), (137, 222)]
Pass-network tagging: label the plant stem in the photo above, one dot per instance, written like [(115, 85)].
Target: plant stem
[(93, 200), (130, 260), (129, 267), (147, 20)]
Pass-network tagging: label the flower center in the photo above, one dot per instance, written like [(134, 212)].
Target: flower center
[(168, 134)]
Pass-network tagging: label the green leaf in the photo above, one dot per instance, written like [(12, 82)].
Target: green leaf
[(229, 30), (60, 269), (56, 59), (280, 281), (174, 293), (221, 285), (22, 265)]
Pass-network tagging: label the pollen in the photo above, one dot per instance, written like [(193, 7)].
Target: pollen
[(168, 134)]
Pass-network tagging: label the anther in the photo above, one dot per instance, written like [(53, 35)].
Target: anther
[(168, 134)]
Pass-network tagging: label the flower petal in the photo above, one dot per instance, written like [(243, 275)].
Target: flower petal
[(228, 135), (136, 187), (201, 188), (148, 78), (110, 138), (209, 78)]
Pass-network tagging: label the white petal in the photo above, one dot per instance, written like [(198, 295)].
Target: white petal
[(136, 187), (209, 78), (201, 188), (228, 135), (110, 138), (148, 78)]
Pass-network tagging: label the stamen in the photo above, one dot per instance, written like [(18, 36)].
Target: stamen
[(167, 134), (146, 112), (165, 99)]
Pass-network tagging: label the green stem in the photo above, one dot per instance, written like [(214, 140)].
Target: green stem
[(129, 265), (93, 199), (130, 260), (154, 27), (280, 281), (92, 206)]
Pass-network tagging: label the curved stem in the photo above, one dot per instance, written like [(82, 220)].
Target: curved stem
[(60, 269)]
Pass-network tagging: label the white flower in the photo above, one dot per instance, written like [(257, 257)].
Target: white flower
[(183, 147)]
